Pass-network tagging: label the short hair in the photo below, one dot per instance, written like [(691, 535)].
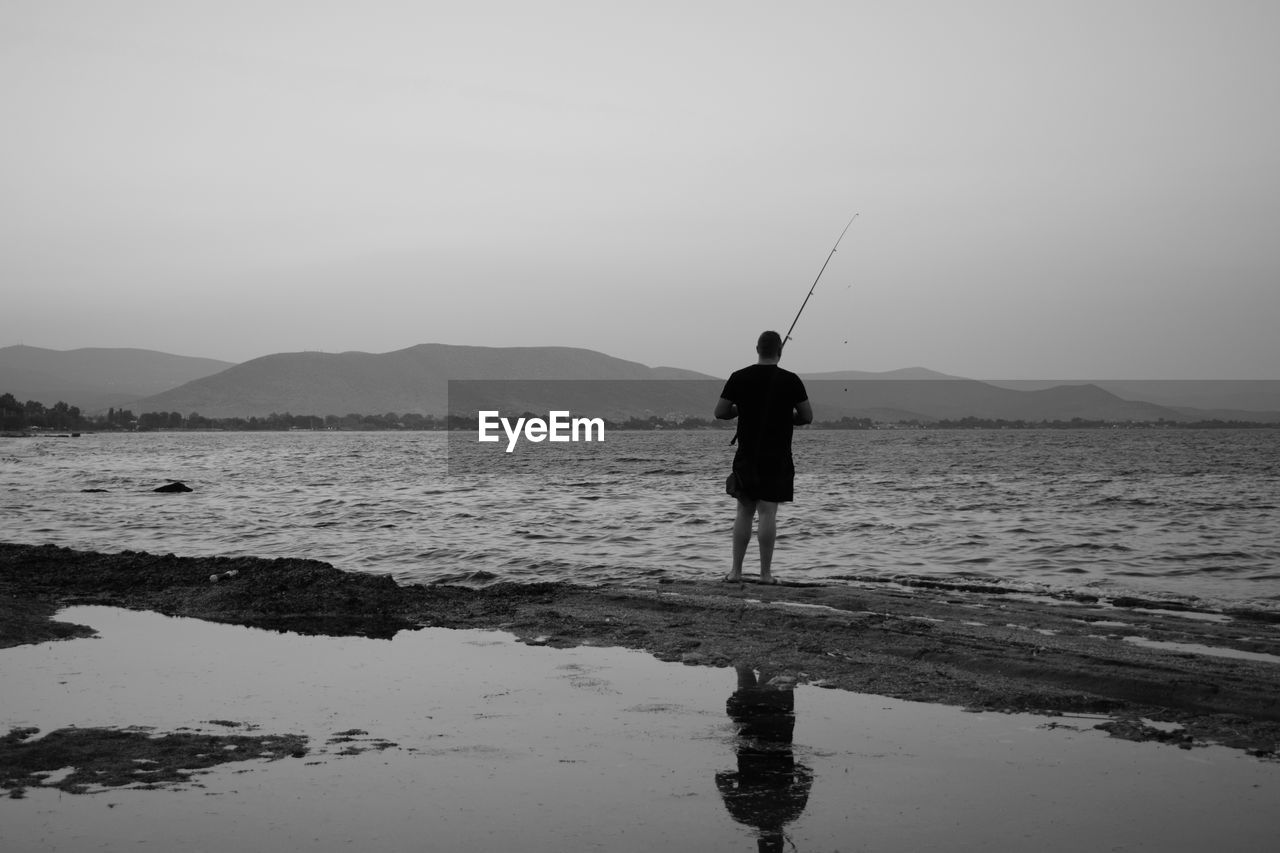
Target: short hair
[(769, 344)]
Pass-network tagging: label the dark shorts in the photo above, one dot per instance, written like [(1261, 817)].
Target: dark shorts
[(767, 481)]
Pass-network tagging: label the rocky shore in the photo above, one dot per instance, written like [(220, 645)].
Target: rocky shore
[(947, 643)]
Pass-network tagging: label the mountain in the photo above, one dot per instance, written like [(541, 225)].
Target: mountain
[(887, 399), (584, 382), (408, 380), (588, 383), (95, 378), (913, 374), (1203, 399)]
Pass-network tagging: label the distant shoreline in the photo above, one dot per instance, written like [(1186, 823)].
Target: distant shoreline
[(973, 424)]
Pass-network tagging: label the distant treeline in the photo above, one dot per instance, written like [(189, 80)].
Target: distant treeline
[(32, 415), (1078, 423)]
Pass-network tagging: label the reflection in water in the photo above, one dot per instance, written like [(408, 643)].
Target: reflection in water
[(769, 789)]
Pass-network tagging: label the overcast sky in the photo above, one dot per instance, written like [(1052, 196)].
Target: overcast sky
[(1045, 190)]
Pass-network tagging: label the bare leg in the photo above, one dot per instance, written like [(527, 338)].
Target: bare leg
[(767, 534), (741, 536)]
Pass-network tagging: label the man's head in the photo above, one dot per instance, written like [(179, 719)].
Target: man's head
[(769, 345)]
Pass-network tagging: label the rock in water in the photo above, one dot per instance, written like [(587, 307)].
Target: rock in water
[(175, 486)]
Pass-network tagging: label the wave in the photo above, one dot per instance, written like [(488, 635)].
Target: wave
[(652, 506)]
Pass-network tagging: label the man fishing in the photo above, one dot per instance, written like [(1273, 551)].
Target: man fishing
[(768, 402)]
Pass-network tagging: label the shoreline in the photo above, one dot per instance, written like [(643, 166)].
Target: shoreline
[(940, 643)]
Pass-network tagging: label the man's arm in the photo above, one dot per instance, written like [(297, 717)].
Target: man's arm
[(803, 413), (726, 410)]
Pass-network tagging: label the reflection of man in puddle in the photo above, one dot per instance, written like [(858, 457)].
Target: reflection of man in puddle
[(769, 789)]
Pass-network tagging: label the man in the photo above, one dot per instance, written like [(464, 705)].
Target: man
[(767, 401), (770, 789)]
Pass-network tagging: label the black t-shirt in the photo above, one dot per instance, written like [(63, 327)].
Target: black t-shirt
[(766, 395)]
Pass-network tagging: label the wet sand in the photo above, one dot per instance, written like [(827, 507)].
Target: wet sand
[(1215, 675)]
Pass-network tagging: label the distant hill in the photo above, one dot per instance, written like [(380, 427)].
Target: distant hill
[(913, 374), (887, 399), (1204, 399), (404, 381), (95, 378), (591, 383), (416, 380)]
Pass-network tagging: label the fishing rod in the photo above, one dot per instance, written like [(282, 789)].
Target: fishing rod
[(812, 288), (815, 281)]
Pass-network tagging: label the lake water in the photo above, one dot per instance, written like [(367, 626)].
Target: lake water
[(1182, 513)]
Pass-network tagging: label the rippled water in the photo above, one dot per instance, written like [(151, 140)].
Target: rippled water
[(1189, 513)]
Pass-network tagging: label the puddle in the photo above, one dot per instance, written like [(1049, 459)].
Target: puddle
[(487, 744), (1200, 649), (1194, 615), (804, 605), (1103, 623)]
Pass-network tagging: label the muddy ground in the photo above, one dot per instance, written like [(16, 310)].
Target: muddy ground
[(967, 645), (95, 759)]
